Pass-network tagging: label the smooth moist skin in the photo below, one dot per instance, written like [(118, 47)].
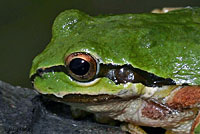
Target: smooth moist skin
[(142, 69)]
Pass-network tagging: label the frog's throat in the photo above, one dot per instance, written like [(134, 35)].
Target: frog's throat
[(119, 74)]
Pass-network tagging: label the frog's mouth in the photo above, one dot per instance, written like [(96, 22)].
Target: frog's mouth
[(83, 98), (119, 74)]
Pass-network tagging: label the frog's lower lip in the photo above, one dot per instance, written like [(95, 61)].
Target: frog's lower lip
[(79, 98)]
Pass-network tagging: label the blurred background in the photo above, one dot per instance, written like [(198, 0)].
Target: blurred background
[(25, 27)]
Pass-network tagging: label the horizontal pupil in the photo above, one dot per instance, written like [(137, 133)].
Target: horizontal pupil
[(79, 66)]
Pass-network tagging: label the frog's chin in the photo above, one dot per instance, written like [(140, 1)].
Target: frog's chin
[(83, 98)]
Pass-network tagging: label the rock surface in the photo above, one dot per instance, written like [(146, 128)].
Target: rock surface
[(23, 111)]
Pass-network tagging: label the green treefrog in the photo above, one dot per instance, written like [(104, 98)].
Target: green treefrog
[(142, 69)]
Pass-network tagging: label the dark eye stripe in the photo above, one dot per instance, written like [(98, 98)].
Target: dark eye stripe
[(127, 73), (118, 74)]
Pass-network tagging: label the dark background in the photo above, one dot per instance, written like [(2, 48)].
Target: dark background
[(25, 27)]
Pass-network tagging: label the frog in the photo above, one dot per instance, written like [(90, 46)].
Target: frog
[(142, 69)]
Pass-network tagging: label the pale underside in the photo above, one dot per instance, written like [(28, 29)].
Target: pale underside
[(150, 109)]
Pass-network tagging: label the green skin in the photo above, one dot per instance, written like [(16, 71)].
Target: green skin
[(166, 45)]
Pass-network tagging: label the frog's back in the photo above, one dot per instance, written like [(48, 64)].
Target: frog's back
[(166, 45)]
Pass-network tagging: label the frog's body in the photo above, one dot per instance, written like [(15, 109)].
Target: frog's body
[(141, 62)]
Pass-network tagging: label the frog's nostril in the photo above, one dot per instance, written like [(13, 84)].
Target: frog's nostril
[(40, 71)]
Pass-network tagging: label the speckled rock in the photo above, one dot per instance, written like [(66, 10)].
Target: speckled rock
[(23, 111)]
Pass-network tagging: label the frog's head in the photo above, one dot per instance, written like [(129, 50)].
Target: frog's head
[(75, 62), (113, 55)]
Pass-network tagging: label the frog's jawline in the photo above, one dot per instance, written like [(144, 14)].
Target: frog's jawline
[(119, 74), (84, 98)]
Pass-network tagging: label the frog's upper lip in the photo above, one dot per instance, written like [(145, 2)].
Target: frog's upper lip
[(83, 98)]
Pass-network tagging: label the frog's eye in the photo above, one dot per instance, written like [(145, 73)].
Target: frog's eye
[(81, 66)]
